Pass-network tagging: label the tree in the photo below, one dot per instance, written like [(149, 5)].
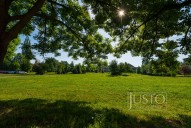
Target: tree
[(83, 69), (146, 67), (122, 67), (27, 49), (51, 64), (165, 62), (71, 66), (144, 24), (187, 60), (185, 69), (138, 70), (10, 53), (15, 62), (67, 25), (77, 69), (39, 68), (14, 65), (60, 69), (25, 65), (60, 24), (114, 68)]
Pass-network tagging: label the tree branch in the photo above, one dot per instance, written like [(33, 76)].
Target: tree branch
[(162, 10), (14, 31), (186, 33), (17, 17), (60, 22), (56, 3), (108, 4)]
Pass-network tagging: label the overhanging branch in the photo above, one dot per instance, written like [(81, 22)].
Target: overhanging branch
[(14, 31), (60, 22), (18, 17), (162, 10)]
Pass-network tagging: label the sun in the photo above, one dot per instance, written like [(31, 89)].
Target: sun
[(121, 12)]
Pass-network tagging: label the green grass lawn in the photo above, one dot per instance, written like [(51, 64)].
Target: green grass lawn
[(94, 101)]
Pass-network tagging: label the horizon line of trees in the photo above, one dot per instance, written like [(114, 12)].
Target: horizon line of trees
[(155, 67), (164, 64)]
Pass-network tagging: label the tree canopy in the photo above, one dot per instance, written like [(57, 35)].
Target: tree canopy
[(60, 25), (145, 22), (67, 24)]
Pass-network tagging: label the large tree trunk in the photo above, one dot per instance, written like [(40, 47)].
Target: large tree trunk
[(3, 51), (1, 59)]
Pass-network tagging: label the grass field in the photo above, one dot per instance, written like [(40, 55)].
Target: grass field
[(94, 101)]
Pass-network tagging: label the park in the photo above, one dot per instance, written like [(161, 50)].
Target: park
[(95, 64)]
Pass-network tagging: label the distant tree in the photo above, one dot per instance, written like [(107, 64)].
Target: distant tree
[(60, 69), (75, 70), (187, 60), (105, 65), (14, 65), (114, 68), (39, 68), (27, 49), (83, 69), (185, 70), (165, 62), (138, 70), (122, 67), (146, 67), (51, 64), (26, 65), (66, 66), (79, 68), (101, 64), (71, 66), (16, 61)]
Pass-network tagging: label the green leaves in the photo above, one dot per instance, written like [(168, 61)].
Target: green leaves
[(144, 23)]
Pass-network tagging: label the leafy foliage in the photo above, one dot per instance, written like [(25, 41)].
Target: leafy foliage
[(12, 48), (51, 64), (144, 24), (185, 70), (114, 68), (27, 49), (39, 68)]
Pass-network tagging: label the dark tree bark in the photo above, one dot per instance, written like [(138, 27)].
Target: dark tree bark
[(3, 51)]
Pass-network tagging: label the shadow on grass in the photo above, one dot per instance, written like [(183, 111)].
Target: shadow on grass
[(33, 113)]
